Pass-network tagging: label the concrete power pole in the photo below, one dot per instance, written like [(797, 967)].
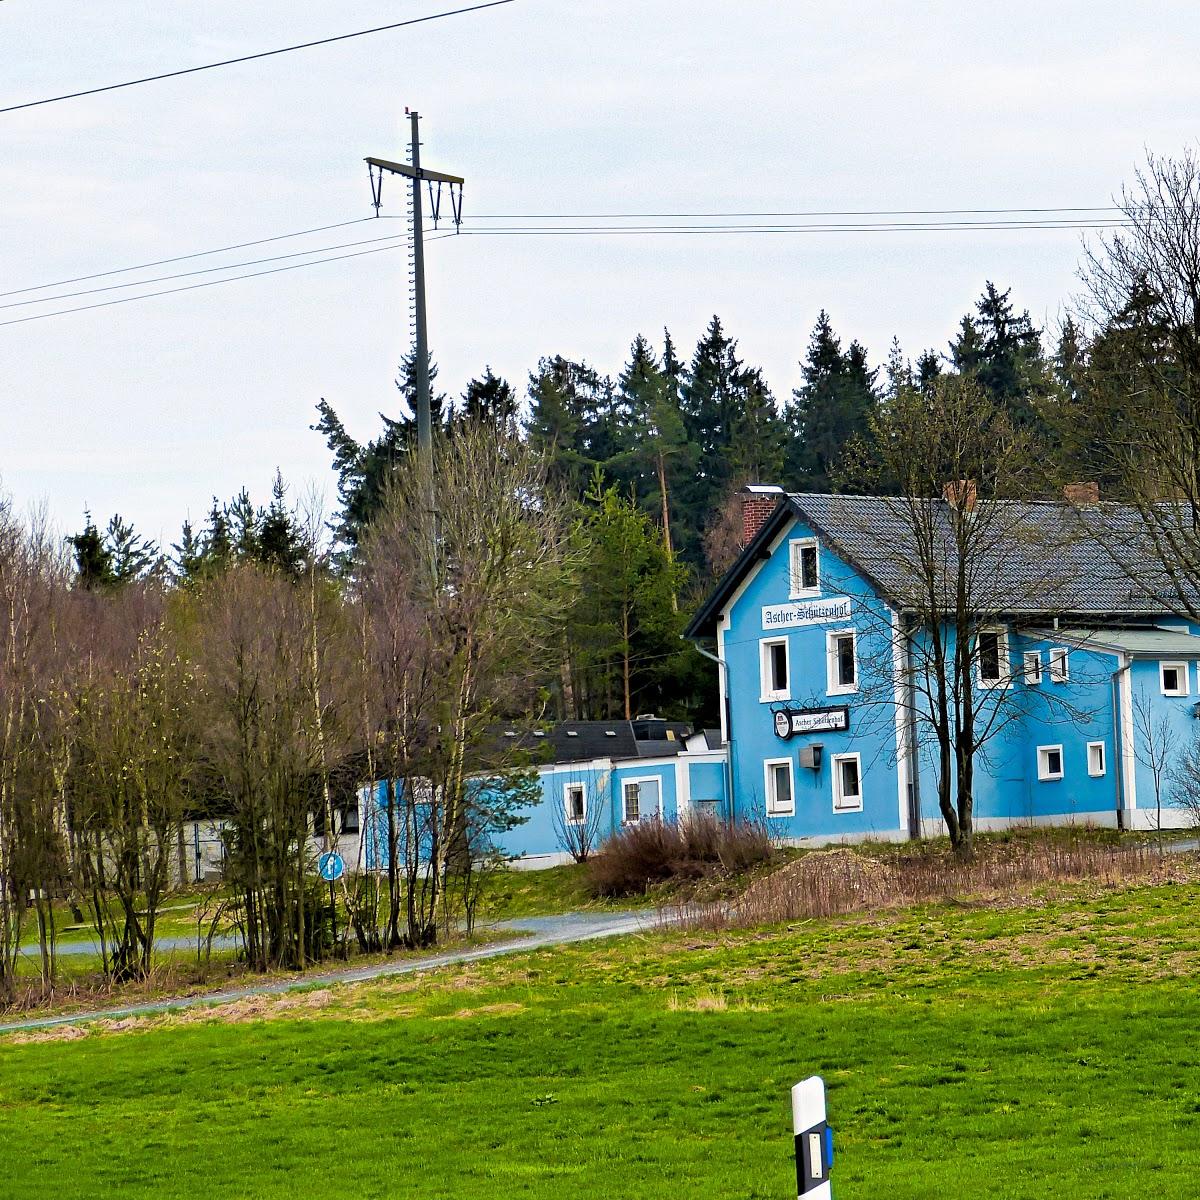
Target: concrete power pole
[(419, 175)]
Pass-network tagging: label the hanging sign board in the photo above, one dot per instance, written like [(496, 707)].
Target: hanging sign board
[(806, 612), (791, 721)]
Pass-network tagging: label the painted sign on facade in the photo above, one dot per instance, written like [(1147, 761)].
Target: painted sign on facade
[(791, 721), (806, 612)]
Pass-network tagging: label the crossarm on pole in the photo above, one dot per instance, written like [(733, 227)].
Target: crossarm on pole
[(413, 172)]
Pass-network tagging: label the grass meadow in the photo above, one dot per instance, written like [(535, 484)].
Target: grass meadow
[(1033, 1048)]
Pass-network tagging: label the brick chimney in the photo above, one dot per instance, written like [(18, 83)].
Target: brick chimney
[(962, 493), (758, 503), (1082, 494)]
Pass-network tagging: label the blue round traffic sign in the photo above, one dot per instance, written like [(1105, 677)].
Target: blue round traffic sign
[(331, 866)]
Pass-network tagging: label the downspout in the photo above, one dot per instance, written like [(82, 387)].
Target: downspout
[(723, 676), (1119, 740), (910, 721)]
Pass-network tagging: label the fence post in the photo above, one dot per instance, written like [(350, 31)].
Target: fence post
[(814, 1139)]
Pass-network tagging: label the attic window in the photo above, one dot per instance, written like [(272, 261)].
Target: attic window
[(572, 733), (510, 733), (805, 568), (610, 733), (542, 733)]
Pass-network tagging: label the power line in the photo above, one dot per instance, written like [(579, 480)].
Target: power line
[(1065, 223), (251, 262), (228, 62), (818, 212), (162, 262), (941, 227), (191, 287), (398, 241)]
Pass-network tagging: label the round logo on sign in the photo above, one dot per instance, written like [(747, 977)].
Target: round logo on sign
[(783, 725)]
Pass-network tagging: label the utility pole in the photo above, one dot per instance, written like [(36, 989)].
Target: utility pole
[(414, 171)]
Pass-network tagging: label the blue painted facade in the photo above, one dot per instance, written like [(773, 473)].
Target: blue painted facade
[(624, 789), (1076, 742)]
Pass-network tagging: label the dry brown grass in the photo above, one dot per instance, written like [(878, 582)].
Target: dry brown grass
[(832, 882)]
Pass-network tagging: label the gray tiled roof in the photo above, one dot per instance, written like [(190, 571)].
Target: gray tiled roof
[(1047, 558), (1041, 559)]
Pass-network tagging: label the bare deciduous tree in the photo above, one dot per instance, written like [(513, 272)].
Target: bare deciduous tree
[(274, 717), (962, 556), (1139, 403), (464, 578), (33, 848), (579, 832), (132, 763), (1156, 747)]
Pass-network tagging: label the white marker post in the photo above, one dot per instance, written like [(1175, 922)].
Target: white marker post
[(814, 1139)]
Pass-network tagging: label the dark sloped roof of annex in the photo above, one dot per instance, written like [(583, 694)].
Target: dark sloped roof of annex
[(1060, 560), (582, 741)]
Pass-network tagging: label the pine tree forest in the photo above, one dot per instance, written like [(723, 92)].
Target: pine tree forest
[(650, 455)]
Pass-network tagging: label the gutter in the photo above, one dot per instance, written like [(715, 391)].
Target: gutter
[(1119, 740), (910, 733), (723, 675)]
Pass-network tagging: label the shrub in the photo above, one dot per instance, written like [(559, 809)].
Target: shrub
[(654, 851)]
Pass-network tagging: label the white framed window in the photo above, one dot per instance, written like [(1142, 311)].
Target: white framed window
[(1060, 667), (1033, 667), (1173, 678), (841, 661), (1096, 763), (847, 783), (1049, 763), (575, 803), (804, 562), (641, 799), (631, 803), (775, 675), (991, 658), (781, 793)]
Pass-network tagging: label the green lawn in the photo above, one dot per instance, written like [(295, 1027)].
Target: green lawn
[(1043, 1050)]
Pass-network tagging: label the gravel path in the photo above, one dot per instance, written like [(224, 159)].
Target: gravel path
[(541, 931)]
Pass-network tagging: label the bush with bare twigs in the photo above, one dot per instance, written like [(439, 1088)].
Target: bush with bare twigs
[(654, 851)]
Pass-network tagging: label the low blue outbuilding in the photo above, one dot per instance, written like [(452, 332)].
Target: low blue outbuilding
[(595, 778)]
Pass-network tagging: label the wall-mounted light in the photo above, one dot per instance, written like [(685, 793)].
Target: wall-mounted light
[(810, 756)]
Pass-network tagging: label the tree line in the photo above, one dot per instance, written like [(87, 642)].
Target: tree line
[(262, 688)]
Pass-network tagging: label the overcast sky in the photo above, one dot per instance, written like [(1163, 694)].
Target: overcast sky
[(546, 106)]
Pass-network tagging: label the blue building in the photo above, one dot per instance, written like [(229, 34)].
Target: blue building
[(596, 778), (1089, 683)]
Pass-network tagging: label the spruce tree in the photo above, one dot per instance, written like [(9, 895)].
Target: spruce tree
[(491, 400), (624, 633), (655, 446), (280, 542), (93, 560), (1002, 352), (569, 406), (832, 407)]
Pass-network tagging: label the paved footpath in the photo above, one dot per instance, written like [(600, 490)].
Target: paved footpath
[(542, 931)]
